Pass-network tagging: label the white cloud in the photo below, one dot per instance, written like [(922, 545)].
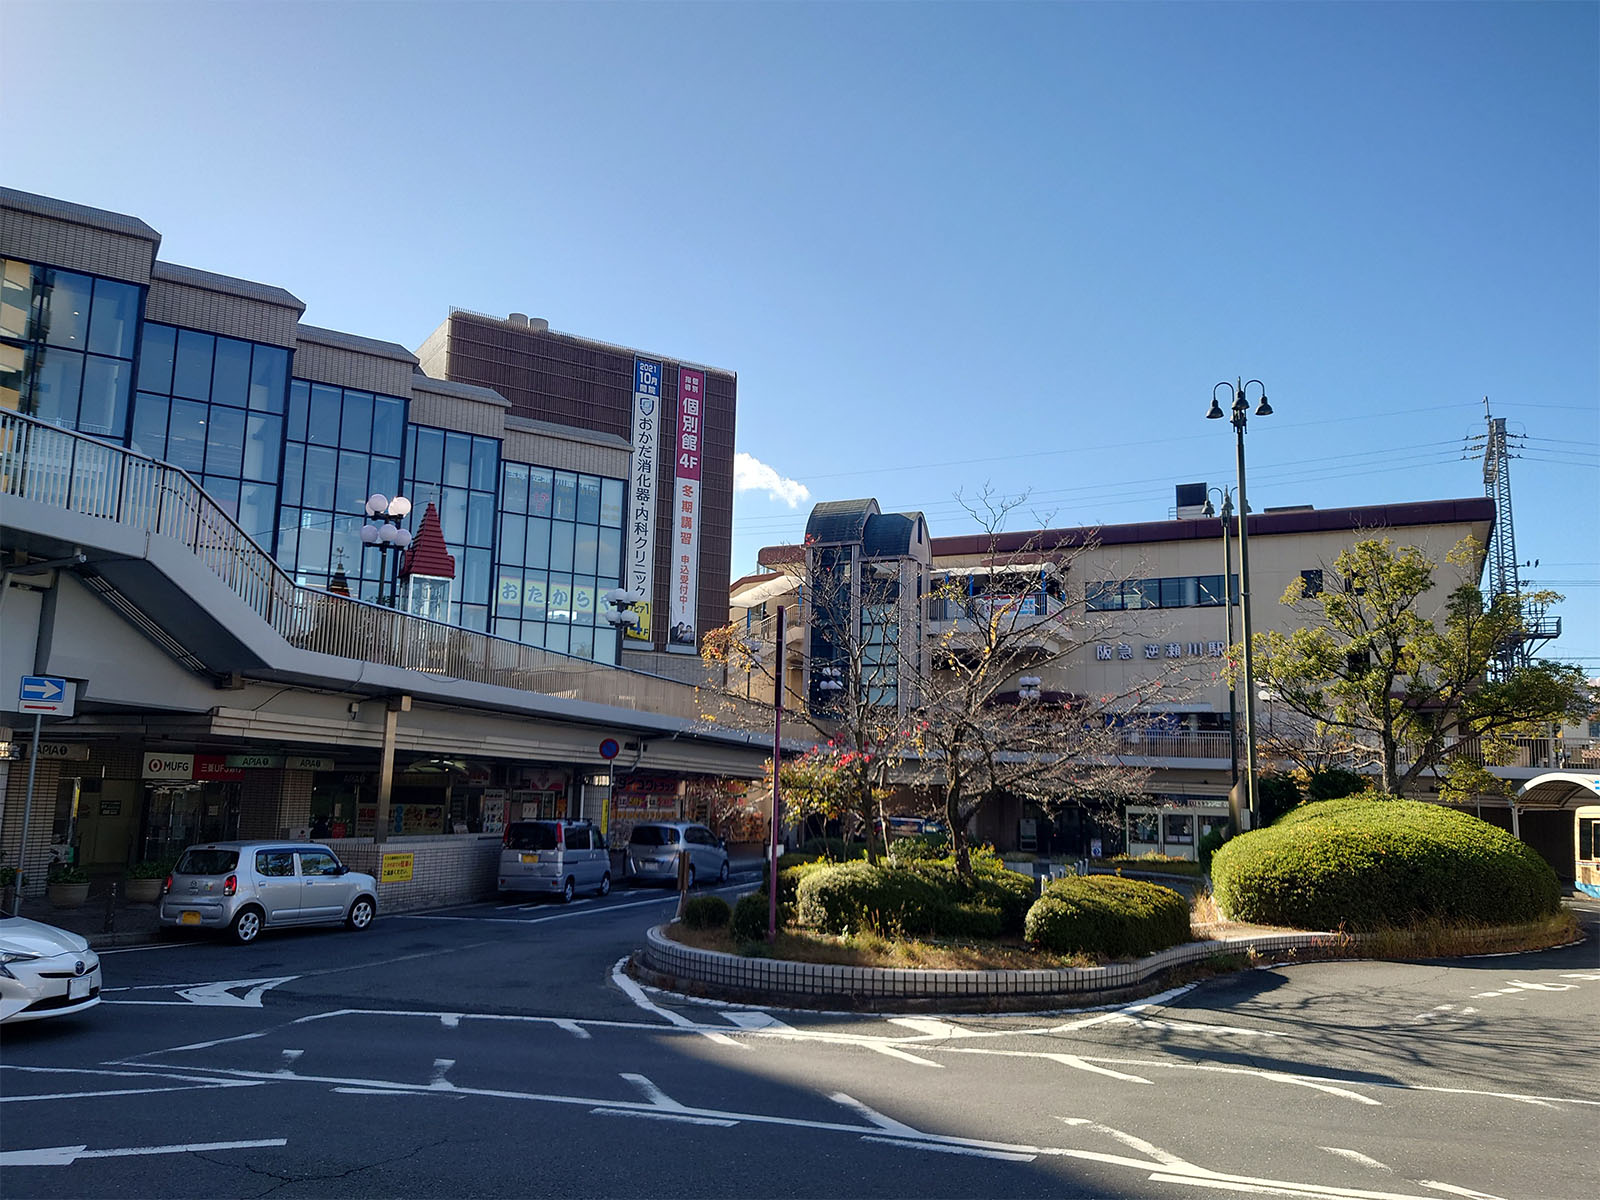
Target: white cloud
[(750, 474)]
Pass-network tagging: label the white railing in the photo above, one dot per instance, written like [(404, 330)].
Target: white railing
[(67, 470)]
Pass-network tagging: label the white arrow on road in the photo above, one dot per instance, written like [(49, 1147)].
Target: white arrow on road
[(63, 1156), (221, 995)]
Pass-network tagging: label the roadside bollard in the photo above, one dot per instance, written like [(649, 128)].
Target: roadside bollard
[(683, 882), (111, 909)]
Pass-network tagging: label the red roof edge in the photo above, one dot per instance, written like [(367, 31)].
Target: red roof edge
[(428, 554)]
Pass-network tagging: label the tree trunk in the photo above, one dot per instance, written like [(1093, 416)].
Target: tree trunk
[(958, 832)]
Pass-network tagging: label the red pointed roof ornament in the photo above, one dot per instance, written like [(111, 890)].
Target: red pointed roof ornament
[(428, 554)]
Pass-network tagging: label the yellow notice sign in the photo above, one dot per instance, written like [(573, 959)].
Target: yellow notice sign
[(397, 868)]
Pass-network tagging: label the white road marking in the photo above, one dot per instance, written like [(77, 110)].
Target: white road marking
[(572, 1027), (62, 1156), (1356, 1156), (613, 1107), (289, 1057), (754, 1019), (1078, 1064), (220, 994), (649, 1115), (652, 1093), (896, 1052), (186, 1087), (939, 1148), (887, 1124), (450, 1020), (567, 911), (1457, 1191), (1587, 976), (369, 1091), (931, 1028), (441, 1068), (1196, 1026), (636, 994), (1164, 1157)]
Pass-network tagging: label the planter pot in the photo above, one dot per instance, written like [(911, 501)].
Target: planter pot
[(142, 891), (67, 895)]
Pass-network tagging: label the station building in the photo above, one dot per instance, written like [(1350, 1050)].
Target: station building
[(187, 461), (1153, 610)]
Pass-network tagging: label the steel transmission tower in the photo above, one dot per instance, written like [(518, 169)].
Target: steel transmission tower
[(1504, 579)]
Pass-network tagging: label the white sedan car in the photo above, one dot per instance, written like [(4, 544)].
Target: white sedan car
[(44, 972)]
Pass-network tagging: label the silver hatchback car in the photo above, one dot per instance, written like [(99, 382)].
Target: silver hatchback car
[(654, 847), (245, 887)]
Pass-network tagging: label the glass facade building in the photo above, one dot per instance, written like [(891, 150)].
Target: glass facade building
[(214, 406), (457, 474), (560, 552), (340, 446), (67, 343)]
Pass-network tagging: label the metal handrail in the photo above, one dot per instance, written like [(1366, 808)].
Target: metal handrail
[(64, 469)]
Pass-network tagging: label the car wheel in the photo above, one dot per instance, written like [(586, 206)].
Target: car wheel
[(568, 890), (246, 926), (361, 914), (722, 873), (605, 884)]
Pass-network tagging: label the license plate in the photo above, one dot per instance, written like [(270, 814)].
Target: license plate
[(189, 918), (530, 858), (78, 989)]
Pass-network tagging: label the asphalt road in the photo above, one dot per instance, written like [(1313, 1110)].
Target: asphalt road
[(496, 1050)]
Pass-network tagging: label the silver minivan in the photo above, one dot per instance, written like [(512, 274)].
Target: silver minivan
[(654, 847), (245, 887), (556, 857)]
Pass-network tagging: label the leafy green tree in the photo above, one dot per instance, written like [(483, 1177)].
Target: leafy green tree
[(1401, 672)]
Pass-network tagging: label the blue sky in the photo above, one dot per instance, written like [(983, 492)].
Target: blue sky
[(943, 245)]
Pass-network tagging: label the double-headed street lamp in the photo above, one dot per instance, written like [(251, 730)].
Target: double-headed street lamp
[(383, 530), (1241, 415)]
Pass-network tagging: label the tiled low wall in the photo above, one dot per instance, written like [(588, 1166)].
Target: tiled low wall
[(781, 977), (445, 870)]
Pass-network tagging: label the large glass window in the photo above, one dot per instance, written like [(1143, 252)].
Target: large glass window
[(559, 553), (1185, 591), (213, 406), (457, 473), (67, 347), (340, 446)]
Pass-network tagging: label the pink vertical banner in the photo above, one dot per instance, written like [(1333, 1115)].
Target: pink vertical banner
[(682, 635)]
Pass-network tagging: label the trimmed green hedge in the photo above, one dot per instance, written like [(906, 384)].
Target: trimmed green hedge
[(914, 898), (1368, 862), (749, 920), (706, 912), (1108, 915)]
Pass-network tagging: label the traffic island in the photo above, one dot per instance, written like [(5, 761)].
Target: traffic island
[(671, 965)]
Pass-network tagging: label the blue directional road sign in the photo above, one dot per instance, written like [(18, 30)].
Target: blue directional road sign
[(46, 694)]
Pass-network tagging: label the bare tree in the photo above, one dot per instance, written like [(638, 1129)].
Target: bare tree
[(988, 726)]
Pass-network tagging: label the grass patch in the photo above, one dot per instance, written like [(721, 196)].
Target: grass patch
[(871, 949), (1163, 864), (1457, 939)]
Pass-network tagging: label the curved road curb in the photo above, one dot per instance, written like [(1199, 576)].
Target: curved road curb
[(678, 965)]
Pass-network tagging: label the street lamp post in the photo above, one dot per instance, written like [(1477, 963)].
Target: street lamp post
[(1227, 604), (1241, 414), (384, 530)]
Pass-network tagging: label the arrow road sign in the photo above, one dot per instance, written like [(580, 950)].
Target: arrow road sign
[(46, 694)]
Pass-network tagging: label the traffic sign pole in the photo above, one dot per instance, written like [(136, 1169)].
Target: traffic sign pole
[(27, 812)]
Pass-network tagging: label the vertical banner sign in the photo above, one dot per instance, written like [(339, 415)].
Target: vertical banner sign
[(639, 573), (682, 637)]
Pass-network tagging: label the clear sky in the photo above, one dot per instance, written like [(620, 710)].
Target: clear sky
[(943, 245)]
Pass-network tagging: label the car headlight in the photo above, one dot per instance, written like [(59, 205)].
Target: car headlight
[(7, 957)]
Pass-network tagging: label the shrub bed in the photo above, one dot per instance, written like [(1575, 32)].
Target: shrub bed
[(913, 897), (1109, 915), (1369, 862), (706, 912), (749, 920)]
